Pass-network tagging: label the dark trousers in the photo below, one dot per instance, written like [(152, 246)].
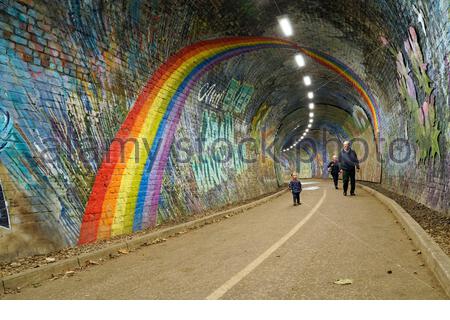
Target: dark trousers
[(296, 197), (349, 174), (335, 178)]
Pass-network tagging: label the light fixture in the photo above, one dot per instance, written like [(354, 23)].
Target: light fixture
[(311, 106), (310, 94), (286, 26), (311, 114), (311, 120), (306, 130), (309, 125), (300, 60), (307, 80)]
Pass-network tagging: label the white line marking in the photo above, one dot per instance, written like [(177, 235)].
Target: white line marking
[(311, 188), (255, 263)]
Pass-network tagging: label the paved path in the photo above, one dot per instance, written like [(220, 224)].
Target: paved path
[(274, 251)]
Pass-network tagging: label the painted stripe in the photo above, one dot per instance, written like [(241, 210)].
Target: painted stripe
[(100, 209), (128, 191), (144, 195)]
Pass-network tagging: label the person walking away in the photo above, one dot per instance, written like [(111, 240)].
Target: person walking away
[(296, 187), (333, 169), (348, 160)]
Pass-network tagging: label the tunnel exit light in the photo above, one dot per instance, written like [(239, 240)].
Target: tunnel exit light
[(310, 95), (286, 26), (300, 60), (307, 80)]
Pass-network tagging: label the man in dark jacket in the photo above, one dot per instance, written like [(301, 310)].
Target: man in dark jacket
[(333, 168), (348, 160)]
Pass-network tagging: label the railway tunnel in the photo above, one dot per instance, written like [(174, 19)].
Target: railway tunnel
[(119, 117)]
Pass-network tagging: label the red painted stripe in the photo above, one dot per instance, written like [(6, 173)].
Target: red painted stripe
[(132, 124)]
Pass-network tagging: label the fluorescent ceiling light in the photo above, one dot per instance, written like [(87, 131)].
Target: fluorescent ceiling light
[(307, 80), (286, 26), (300, 60), (311, 114), (310, 94), (311, 106)]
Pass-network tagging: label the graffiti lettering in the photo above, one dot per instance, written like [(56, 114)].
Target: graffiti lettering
[(4, 215), (209, 95)]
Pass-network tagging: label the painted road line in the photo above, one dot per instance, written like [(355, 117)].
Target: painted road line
[(222, 290), (311, 188)]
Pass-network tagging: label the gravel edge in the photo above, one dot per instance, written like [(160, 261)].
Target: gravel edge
[(436, 259)]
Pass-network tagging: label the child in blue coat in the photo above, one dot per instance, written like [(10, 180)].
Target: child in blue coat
[(296, 187)]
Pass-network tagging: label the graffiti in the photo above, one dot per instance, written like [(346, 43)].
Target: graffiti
[(62, 104), (419, 99), (98, 72), (235, 98), (360, 117), (420, 17), (4, 214), (208, 95), (238, 96), (5, 129)]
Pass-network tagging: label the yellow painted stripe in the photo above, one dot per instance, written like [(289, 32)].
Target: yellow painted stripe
[(129, 186)]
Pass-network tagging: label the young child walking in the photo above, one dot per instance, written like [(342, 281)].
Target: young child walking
[(296, 187)]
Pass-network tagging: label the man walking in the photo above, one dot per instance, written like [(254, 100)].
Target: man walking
[(333, 168), (348, 160)]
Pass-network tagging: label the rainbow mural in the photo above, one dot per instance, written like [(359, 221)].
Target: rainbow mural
[(126, 191), (350, 76)]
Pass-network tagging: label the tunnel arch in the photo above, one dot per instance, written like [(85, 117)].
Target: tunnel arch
[(104, 215)]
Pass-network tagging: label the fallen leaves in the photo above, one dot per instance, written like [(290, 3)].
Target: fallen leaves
[(70, 273), (343, 282)]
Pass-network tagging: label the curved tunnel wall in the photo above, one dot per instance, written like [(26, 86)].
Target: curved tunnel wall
[(74, 79), (131, 202)]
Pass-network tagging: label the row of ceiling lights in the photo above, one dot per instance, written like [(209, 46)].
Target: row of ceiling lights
[(286, 27)]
